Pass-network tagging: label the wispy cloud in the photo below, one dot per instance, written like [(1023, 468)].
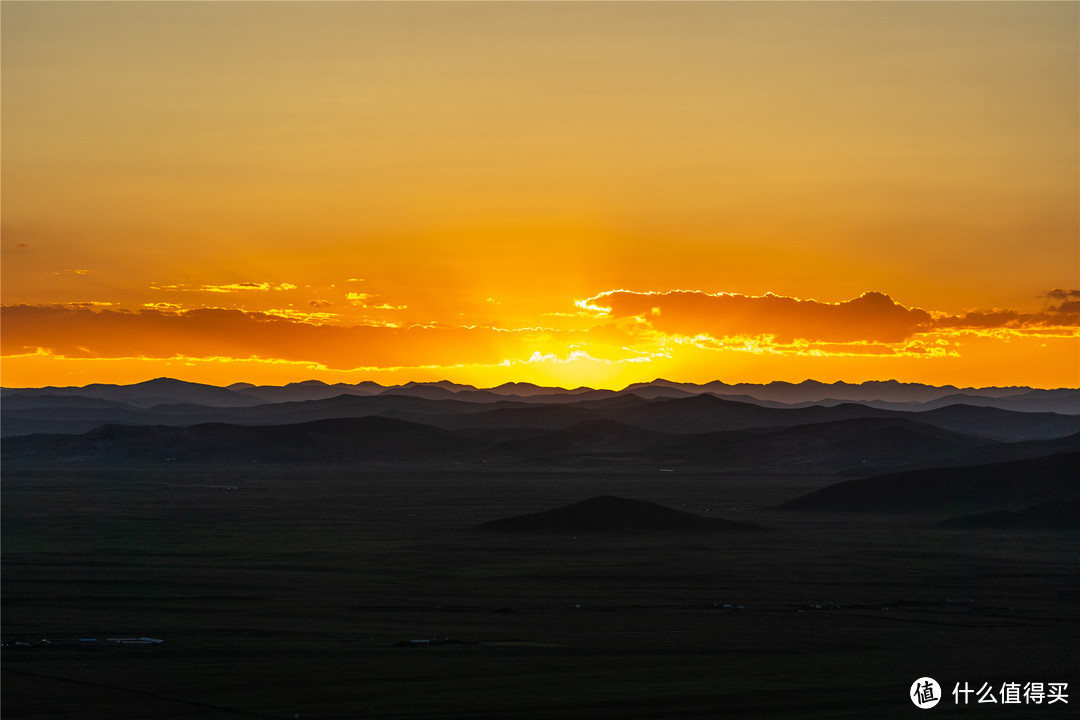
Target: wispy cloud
[(227, 288), (89, 304), (361, 300), (68, 271)]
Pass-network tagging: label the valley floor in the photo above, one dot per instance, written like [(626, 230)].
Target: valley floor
[(343, 592)]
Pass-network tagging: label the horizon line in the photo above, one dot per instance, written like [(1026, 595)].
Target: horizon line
[(470, 387)]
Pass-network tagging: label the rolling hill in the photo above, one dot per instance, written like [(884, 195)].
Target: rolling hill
[(372, 439), (953, 490), (608, 514), (1051, 515)]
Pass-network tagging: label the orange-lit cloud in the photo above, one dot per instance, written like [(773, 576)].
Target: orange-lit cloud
[(631, 327), (227, 288), (76, 331), (361, 300), (870, 317), (1059, 320), (787, 323)]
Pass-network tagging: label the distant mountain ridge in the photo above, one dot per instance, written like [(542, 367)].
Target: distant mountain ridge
[(369, 439), (658, 427), (658, 406), (160, 390), (144, 394), (844, 447)]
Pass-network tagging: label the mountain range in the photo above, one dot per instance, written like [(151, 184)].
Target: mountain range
[(519, 425), (1006, 414), (983, 465), (888, 394)]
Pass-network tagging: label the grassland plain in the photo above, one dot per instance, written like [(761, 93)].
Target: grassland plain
[(292, 590)]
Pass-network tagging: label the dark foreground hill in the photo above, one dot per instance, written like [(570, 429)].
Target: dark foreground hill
[(954, 490), (608, 514)]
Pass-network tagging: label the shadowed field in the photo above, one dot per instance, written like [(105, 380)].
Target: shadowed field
[(301, 590)]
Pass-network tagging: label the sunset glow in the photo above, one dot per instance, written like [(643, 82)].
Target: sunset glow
[(560, 193)]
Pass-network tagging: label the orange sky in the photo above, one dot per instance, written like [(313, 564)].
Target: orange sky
[(561, 193)]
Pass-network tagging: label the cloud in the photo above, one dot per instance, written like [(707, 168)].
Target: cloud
[(785, 321), (227, 288), (1056, 320), (89, 304), (1070, 307), (360, 300), (872, 324), (870, 317), (1070, 301), (627, 327), (167, 332), (922, 346)]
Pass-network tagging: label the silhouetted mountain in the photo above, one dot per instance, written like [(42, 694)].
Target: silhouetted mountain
[(812, 391), (372, 439), (888, 394), (307, 390), (708, 413), (1052, 515), (858, 445), (1025, 450), (1064, 401), (67, 419), (662, 391), (443, 384), (69, 415), (861, 446), (543, 436), (616, 515), (1005, 425), (146, 394), (611, 443), (953, 490), (527, 389), (428, 392), (47, 403), (26, 412)]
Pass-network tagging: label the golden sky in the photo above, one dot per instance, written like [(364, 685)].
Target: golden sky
[(563, 193)]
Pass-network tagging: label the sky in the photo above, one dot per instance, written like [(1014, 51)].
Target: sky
[(563, 193)]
